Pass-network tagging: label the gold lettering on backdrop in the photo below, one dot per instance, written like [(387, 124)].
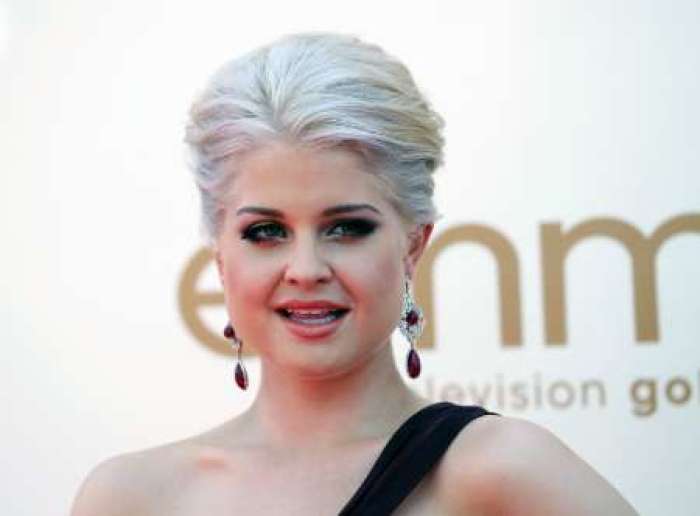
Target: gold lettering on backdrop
[(520, 394), (647, 393), (508, 279), (556, 245)]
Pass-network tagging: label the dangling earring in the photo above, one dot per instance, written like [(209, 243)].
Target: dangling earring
[(411, 326), (240, 374)]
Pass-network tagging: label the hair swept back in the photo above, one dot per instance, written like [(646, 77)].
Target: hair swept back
[(319, 90)]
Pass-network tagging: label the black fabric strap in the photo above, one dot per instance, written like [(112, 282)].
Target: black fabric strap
[(408, 456)]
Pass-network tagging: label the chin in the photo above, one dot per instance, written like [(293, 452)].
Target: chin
[(320, 362)]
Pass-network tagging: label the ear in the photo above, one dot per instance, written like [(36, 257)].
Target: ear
[(417, 242)]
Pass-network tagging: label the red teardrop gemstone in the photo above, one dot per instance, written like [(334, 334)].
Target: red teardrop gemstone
[(412, 318), (413, 364), (228, 332), (241, 376)]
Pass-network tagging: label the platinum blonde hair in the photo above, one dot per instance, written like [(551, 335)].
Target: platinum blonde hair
[(321, 90)]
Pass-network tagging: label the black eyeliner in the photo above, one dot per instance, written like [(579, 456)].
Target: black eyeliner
[(359, 227), (251, 232)]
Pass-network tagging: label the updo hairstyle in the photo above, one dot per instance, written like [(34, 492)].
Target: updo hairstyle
[(320, 90)]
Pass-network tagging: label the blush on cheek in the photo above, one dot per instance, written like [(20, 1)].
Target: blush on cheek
[(248, 284)]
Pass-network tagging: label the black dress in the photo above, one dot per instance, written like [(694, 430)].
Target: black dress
[(408, 456)]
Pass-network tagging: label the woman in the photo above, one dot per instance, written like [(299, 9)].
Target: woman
[(313, 157)]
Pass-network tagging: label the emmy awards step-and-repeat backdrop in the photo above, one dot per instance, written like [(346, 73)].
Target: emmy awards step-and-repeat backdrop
[(561, 286)]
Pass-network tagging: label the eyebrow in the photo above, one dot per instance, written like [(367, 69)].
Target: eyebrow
[(333, 210)]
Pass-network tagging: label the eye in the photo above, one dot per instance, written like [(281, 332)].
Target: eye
[(264, 232), (351, 228)]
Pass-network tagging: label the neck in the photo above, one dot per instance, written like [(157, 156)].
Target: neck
[(367, 403)]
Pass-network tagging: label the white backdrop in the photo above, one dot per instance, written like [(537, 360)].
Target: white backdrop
[(556, 112)]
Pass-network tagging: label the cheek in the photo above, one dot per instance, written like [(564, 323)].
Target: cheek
[(377, 282), (387, 276), (248, 281)]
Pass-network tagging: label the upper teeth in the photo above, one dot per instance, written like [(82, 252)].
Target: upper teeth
[(311, 312)]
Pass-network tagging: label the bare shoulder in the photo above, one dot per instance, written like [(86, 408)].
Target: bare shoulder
[(109, 489), (510, 466), (127, 484)]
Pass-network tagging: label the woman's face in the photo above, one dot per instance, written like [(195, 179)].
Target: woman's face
[(312, 258)]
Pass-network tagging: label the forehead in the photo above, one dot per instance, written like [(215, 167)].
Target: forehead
[(298, 178)]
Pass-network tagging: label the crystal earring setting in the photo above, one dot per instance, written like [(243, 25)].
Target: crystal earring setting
[(240, 374), (411, 326)]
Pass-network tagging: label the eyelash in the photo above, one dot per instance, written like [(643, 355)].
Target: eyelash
[(352, 229)]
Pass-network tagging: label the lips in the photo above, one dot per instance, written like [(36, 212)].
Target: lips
[(312, 319)]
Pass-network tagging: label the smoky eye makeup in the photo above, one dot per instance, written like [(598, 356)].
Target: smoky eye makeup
[(343, 229), (355, 227), (264, 231)]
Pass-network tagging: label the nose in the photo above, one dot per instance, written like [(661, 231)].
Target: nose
[(306, 266)]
